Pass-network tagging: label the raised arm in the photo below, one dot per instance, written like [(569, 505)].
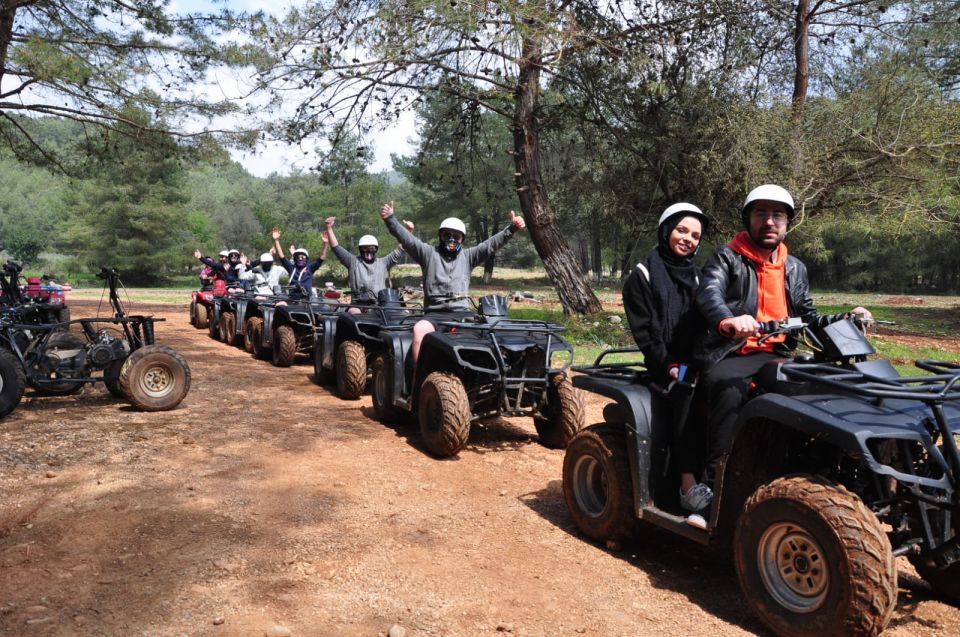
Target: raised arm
[(482, 251), (275, 234), (416, 248)]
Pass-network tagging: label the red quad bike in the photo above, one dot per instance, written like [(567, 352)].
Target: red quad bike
[(201, 303), (120, 351), (838, 465), (35, 302)]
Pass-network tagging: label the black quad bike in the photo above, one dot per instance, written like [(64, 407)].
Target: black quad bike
[(478, 366), (838, 465), (119, 351), (16, 303), (349, 342)]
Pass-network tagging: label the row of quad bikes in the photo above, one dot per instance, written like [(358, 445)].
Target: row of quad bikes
[(839, 464), (41, 348)]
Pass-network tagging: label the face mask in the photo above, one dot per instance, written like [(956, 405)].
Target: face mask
[(301, 262), (368, 255), (451, 242), (266, 266)]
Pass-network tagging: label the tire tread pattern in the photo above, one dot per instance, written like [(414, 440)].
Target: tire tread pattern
[(564, 414), (284, 346), (351, 370), (451, 399), (127, 380)]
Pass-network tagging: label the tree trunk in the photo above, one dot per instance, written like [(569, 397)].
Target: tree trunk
[(573, 287), (596, 255), (8, 12), (485, 225), (801, 49)]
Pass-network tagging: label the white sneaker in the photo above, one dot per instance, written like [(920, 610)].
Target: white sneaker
[(697, 499), (696, 520)]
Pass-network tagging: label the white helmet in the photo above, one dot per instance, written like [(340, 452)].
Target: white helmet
[(224, 253), (302, 251), (452, 223), (368, 240), (767, 192), (266, 256), (681, 207), (233, 251)]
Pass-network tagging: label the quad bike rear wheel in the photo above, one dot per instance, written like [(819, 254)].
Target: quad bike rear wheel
[(284, 346), (111, 378), (321, 375), (12, 382), (380, 390), (202, 318), (351, 369), (253, 336), (155, 378), (444, 414), (228, 328), (813, 560), (63, 315), (563, 415), (59, 341), (597, 486)]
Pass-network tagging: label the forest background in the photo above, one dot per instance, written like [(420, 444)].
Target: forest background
[(590, 118)]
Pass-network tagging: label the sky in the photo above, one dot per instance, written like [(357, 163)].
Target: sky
[(281, 158)]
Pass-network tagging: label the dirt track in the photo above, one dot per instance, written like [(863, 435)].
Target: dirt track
[(266, 501)]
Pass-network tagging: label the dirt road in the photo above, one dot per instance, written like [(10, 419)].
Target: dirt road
[(265, 505)]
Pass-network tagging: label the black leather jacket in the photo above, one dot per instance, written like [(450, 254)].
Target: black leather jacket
[(728, 289)]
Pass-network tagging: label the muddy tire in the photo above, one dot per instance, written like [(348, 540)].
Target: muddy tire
[(351, 370), (284, 346), (564, 414), (63, 314), (253, 336), (812, 559), (444, 414), (193, 313), (202, 318), (111, 378), (597, 486), (227, 326), (155, 378), (321, 375), (60, 341), (12, 382), (944, 581), (381, 390)]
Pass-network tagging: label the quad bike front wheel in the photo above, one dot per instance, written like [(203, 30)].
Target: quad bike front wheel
[(228, 328), (944, 581), (213, 327), (563, 414), (444, 414), (253, 336), (12, 382), (351, 370), (193, 313), (813, 560), (155, 378), (202, 316), (597, 486), (381, 391), (284, 346), (57, 343)]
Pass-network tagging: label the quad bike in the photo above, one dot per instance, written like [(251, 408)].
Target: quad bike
[(477, 366), (351, 341), (838, 465), (119, 351), (201, 303), (34, 302)]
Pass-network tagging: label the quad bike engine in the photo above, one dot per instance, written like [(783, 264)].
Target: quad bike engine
[(107, 349)]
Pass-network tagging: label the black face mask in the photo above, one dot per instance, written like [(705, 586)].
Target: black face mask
[(451, 242), (266, 265), (368, 255)]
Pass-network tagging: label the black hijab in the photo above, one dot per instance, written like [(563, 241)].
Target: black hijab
[(673, 281)]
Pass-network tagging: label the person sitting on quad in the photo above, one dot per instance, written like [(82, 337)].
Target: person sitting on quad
[(207, 277), (368, 274), (299, 268), (263, 275), (446, 267), (750, 280), (658, 298), (229, 268)]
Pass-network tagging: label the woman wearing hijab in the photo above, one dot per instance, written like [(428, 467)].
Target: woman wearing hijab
[(658, 298)]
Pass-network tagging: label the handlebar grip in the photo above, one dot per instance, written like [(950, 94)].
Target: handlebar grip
[(766, 327)]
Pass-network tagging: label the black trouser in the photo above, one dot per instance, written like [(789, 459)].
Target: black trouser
[(727, 385)]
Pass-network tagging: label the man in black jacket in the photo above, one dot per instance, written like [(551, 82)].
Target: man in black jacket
[(750, 280)]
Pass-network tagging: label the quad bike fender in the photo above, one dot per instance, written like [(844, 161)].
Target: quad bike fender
[(848, 423), (633, 409), (241, 311), (266, 339)]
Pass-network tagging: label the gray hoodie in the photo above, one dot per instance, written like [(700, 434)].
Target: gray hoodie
[(444, 276), (366, 279)]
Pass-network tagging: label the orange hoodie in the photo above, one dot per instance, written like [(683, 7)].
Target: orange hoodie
[(771, 288)]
